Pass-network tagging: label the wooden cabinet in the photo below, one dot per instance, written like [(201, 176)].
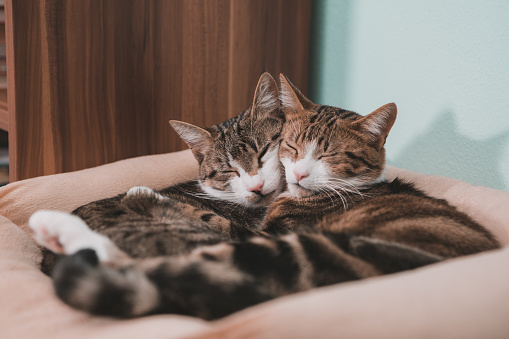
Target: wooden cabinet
[(4, 162), (3, 70), (95, 81)]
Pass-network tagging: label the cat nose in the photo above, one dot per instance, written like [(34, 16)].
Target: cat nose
[(256, 187), (300, 175)]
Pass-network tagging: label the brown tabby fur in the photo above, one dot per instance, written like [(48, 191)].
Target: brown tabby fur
[(145, 226), (393, 212), (353, 227)]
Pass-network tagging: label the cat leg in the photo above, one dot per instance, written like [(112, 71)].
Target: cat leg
[(113, 289), (204, 284), (144, 191), (64, 233), (142, 200)]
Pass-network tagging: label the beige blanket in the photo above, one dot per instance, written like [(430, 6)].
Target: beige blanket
[(462, 298)]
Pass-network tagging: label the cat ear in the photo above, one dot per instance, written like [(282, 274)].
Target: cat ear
[(198, 139), (378, 123), (266, 99), (292, 99)]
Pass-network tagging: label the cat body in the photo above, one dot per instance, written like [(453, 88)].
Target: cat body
[(394, 212), (171, 221), (335, 171), (340, 220), (239, 175)]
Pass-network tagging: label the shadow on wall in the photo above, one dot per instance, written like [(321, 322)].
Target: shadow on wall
[(442, 150)]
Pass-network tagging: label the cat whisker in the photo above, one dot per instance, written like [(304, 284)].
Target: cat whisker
[(327, 193), (339, 185), (344, 192), (201, 195), (343, 181), (351, 187), (335, 190)]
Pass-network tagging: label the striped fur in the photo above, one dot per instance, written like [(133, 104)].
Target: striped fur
[(239, 152), (339, 221), (215, 281)]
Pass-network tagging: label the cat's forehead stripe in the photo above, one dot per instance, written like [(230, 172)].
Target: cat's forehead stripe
[(252, 144), (326, 112)]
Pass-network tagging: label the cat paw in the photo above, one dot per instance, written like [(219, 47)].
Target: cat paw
[(65, 233), (144, 191), (141, 190)]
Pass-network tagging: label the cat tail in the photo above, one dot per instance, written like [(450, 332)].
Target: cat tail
[(209, 289), (391, 257), (81, 282)]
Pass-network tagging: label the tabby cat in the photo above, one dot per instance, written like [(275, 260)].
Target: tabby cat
[(340, 220), (239, 175)]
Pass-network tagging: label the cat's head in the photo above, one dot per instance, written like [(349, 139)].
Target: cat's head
[(239, 158), (325, 148)]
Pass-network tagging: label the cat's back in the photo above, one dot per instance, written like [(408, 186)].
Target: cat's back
[(398, 212), (390, 211), (184, 203), (240, 218)]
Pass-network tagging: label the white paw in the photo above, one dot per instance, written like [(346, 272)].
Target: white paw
[(144, 191), (66, 233)]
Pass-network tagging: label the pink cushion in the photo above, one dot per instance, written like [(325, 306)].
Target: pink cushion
[(465, 298)]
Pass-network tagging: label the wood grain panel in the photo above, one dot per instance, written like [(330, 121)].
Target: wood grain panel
[(97, 80), (24, 82), (4, 114), (267, 35), (205, 61), (168, 74)]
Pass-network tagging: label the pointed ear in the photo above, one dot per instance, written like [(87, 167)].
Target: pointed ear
[(198, 139), (291, 98), (266, 99), (378, 123)]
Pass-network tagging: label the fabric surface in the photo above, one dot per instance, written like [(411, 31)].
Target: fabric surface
[(461, 298), (28, 306), (65, 192), (29, 309), (465, 298)]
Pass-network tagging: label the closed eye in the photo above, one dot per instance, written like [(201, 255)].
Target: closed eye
[(234, 172), (329, 155), (292, 148)]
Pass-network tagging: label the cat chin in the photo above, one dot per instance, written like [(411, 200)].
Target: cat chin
[(252, 200), (262, 201), (298, 191)]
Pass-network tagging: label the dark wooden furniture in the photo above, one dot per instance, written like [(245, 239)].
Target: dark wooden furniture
[(95, 81)]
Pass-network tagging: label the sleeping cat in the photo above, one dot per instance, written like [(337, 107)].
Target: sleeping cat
[(239, 175), (340, 220)]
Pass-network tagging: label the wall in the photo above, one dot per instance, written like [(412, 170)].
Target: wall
[(444, 63)]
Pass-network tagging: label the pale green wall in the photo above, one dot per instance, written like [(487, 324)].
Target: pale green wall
[(445, 63)]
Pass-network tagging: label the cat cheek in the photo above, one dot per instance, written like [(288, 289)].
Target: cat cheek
[(285, 161), (288, 166), (271, 165), (236, 191)]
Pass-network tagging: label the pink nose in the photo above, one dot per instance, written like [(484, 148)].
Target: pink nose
[(300, 175), (256, 187)]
